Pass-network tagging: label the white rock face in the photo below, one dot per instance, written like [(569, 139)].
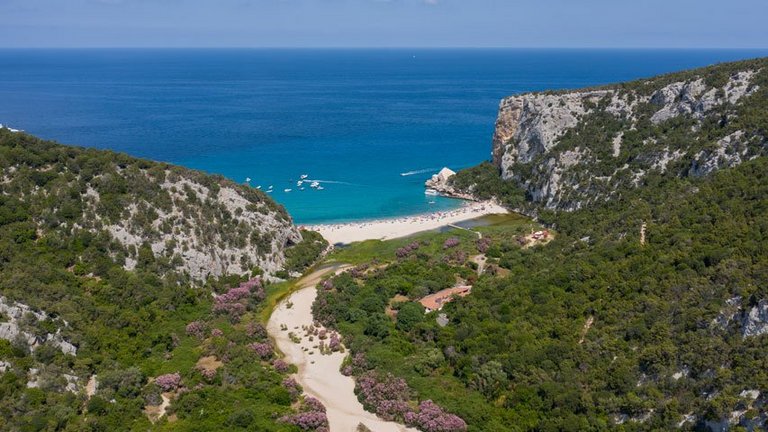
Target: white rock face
[(440, 183), (727, 314), (11, 330), (529, 125), (181, 233), (754, 322), (729, 151), (529, 128)]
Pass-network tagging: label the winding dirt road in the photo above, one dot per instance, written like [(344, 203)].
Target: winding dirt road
[(318, 374)]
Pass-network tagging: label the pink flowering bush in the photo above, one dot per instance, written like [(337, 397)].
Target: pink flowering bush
[(234, 295), (358, 271), (483, 244), (281, 366), (407, 250), (311, 418), (263, 350), (196, 328), (312, 404), (385, 395), (234, 310), (255, 330), (255, 287), (451, 242), (457, 257), (390, 397), (234, 302), (334, 343), (208, 374), (292, 386), (360, 362), (432, 418), (308, 421), (217, 333), (168, 382), (327, 284)]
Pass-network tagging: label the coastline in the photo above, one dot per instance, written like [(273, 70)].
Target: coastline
[(385, 229)]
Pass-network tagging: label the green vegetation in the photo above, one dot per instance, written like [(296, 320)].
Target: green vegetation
[(303, 255), (714, 76), (684, 145), (592, 331), (483, 182), (129, 326), (512, 355)]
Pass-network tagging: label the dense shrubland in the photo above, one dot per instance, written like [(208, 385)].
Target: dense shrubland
[(588, 331), (145, 333)]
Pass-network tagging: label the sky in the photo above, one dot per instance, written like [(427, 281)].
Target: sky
[(385, 23)]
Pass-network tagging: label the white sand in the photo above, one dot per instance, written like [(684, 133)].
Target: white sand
[(321, 379), (400, 227)]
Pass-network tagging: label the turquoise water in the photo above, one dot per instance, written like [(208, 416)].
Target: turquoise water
[(353, 119)]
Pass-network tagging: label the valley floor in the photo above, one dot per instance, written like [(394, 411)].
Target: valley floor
[(319, 374)]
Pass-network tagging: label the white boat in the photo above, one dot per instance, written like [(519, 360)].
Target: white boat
[(301, 188), (287, 190), (314, 184), (247, 179), (258, 187), (431, 192), (320, 188), (303, 176), (299, 183)]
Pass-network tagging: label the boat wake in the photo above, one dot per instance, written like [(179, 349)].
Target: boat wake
[(421, 171), (329, 182)]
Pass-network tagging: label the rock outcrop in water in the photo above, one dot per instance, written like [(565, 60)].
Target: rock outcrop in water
[(570, 148), (441, 184)]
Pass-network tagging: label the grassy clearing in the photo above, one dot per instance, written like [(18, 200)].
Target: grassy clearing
[(276, 293), (432, 241)]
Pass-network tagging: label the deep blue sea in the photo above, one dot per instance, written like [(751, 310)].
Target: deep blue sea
[(355, 120)]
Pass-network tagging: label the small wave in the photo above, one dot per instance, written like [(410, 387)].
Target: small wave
[(421, 171)]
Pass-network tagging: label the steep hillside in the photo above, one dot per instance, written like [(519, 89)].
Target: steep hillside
[(649, 308), (602, 328), (570, 148), (196, 225), (131, 291)]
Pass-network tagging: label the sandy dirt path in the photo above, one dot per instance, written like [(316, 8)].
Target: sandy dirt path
[(318, 374)]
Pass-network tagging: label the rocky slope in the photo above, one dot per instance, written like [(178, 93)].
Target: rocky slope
[(197, 225), (570, 148)]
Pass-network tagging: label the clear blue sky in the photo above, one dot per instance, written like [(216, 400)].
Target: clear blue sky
[(384, 23)]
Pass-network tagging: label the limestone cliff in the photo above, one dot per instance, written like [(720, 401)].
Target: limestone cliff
[(156, 214), (570, 148)]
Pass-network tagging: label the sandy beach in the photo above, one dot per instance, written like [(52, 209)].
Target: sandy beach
[(385, 229), (318, 374)]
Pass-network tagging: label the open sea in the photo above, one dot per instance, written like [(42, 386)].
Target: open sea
[(370, 125)]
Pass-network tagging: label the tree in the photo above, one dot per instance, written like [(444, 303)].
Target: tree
[(409, 315)]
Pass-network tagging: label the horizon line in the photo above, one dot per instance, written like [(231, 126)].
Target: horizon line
[(128, 47)]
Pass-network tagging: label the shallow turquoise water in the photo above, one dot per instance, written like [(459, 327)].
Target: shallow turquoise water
[(353, 119)]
